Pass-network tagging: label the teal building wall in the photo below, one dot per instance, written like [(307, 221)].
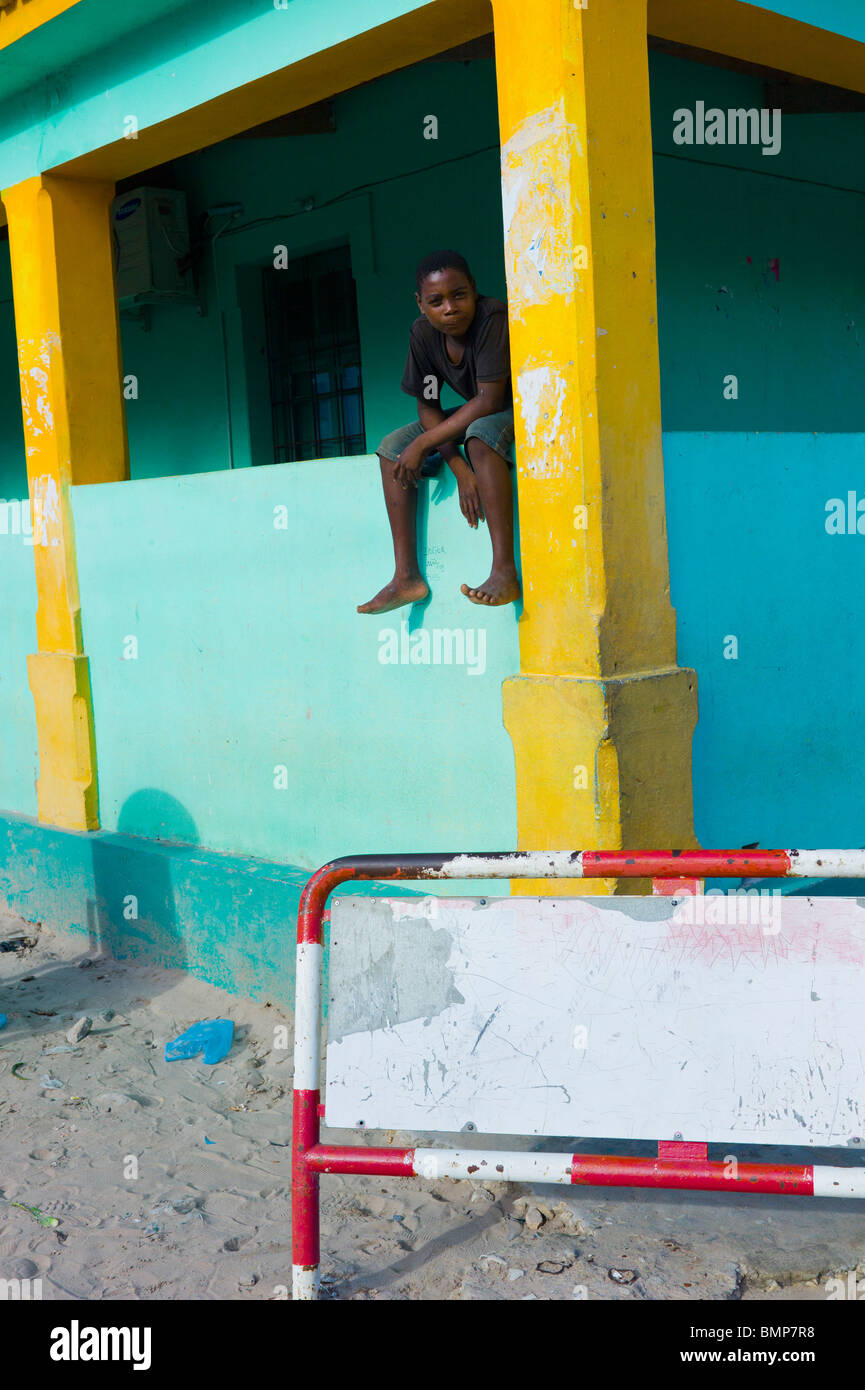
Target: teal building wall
[(226, 918), (759, 276), (256, 714), (74, 81), (756, 264), (18, 754), (72, 84), (376, 184), (840, 16), (250, 655)]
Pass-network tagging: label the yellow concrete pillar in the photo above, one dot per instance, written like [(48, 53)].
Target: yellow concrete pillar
[(600, 716), (74, 430)]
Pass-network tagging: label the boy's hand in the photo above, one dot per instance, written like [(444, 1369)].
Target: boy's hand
[(467, 484), (470, 498), (407, 468)]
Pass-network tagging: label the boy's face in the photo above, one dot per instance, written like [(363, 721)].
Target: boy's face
[(448, 299)]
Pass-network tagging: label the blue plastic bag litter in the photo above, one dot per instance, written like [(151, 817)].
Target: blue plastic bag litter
[(2, 1020), (213, 1035)]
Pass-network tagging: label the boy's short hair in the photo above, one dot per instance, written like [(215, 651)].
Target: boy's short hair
[(441, 260)]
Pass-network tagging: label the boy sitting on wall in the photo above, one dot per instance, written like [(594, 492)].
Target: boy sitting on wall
[(461, 338)]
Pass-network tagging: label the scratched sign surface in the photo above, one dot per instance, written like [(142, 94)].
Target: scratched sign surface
[(617, 1018)]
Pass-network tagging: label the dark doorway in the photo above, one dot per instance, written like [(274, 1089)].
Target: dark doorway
[(313, 349)]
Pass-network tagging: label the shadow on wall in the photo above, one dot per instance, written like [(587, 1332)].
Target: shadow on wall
[(442, 488), (133, 912)]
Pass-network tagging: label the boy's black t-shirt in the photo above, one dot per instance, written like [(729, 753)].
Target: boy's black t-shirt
[(486, 355)]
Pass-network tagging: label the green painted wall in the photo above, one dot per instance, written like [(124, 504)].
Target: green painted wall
[(424, 194), (756, 259), (759, 264), (759, 275), (250, 654), (225, 918), (71, 84), (267, 637), (18, 755), (778, 755), (240, 592), (69, 87)]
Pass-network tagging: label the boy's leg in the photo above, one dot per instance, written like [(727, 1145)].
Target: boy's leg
[(496, 489), (408, 584)]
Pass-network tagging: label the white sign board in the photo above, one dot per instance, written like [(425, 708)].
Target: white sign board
[(714, 1018)]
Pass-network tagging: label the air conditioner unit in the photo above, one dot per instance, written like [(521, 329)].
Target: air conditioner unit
[(151, 246)]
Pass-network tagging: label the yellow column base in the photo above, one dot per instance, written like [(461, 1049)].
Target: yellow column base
[(602, 764), (66, 790)]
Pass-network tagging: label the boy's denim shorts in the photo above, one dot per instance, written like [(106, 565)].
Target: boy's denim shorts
[(495, 430)]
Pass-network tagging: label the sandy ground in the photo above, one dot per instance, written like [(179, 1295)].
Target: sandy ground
[(172, 1180)]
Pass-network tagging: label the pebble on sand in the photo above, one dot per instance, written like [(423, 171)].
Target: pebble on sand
[(80, 1028)]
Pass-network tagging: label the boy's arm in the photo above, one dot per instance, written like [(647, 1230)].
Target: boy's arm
[(490, 398), (430, 416)]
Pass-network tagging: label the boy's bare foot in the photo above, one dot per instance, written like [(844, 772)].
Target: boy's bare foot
[(501, 587), (396, 594)]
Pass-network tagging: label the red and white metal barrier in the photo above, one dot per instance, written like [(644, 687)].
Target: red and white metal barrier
[(677, 1165)]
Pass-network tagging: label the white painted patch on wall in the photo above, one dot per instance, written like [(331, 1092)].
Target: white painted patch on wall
[(35, 367), (47, 524), (537, 252), (541, 393), (41, 402), (48, 346), (536, 193)]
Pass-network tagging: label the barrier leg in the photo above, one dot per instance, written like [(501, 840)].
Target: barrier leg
[(305, 1122), (306, 1256)]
